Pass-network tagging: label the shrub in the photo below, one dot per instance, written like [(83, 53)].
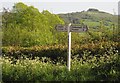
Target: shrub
[(59, 51), (87, 68)]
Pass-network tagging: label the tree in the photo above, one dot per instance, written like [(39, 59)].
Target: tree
[(26, 26)]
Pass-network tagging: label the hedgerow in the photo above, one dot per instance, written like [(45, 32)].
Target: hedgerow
[(87, 68), (55, 52)]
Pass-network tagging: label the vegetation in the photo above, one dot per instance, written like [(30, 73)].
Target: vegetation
[(26, 26), (56, 52), (93, 15), (87, 68), (33, 51)]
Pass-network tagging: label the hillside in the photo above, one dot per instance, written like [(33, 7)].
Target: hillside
[(91, 17)]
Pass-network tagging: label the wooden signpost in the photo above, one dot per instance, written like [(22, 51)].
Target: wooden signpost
[(70, 28)]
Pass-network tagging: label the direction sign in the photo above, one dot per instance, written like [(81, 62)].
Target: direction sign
[(61, 28), (78, 28), (70, 28), (73, 28)]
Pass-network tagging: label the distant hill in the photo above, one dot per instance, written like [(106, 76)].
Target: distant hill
[(91, 17)]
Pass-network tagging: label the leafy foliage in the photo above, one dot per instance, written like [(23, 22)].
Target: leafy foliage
[(26, 26), (88, 68), (58, 52)]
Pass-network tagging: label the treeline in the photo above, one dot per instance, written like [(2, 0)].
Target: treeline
[(25, 26)]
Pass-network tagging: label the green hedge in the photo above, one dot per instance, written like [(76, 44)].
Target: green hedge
[(58, 51), (88, 68)]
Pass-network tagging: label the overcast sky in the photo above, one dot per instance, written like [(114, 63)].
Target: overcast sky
[(65, 6)]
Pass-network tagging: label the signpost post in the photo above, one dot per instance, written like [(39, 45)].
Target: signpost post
[(69, 47), (70, 28)]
